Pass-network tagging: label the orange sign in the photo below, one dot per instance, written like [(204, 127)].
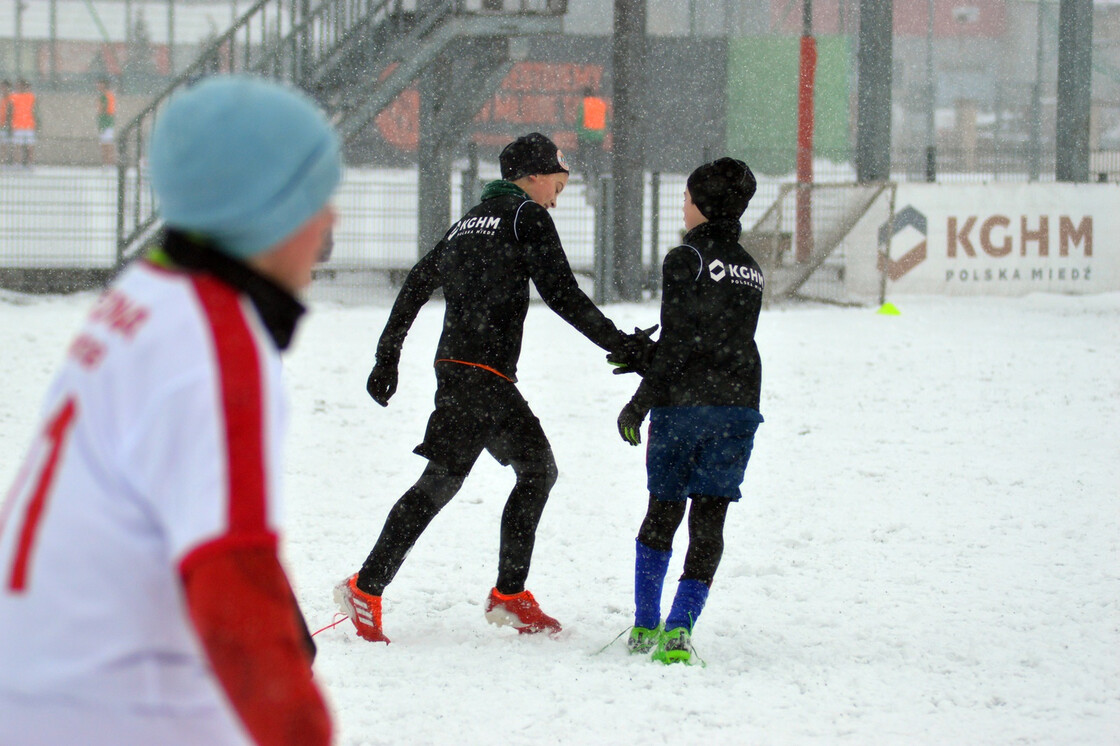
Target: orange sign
[(534, 95)]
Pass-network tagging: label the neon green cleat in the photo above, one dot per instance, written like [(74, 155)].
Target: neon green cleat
[(674, 646), (643, 639)]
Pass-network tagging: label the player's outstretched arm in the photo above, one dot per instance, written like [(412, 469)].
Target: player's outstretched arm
[(553, 277)]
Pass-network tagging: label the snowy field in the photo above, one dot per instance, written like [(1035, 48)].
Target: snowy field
[(928, 551)]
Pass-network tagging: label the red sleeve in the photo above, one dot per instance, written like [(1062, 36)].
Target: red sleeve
[(244, 612)]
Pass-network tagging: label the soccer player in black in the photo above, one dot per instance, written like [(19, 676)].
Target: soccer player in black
[(484, 264), (701, 388)]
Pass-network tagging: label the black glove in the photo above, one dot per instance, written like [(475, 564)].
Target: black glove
[(630, 423), (382, 383), (636, 352)]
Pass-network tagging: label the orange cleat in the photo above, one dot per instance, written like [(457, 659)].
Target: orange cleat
[(363, 609), (521, 611)]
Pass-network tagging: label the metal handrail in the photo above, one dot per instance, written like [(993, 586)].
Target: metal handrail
[(294, 44), (307, 30), (133, 131)]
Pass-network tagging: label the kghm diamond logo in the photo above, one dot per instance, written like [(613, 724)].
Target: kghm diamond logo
[(906, 220), (739, 274), (716, 270)]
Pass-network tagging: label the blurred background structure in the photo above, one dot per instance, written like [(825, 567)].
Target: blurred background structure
[(986, 70), (973, 96)]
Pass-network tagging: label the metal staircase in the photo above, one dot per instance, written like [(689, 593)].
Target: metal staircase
[(836, 210), (354, 57)]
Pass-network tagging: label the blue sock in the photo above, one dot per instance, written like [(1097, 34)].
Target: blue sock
[(650, 567), (689, 602)]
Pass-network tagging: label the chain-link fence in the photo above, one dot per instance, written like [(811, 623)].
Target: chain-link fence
[(59, 220)]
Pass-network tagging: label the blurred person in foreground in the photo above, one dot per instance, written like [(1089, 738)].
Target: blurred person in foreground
[(701, 389), (484, 263), (142, 599)]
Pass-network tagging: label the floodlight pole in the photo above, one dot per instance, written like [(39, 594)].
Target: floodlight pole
[(171, 37), (931, 101), (628, 154), (873, 136), (1036, 100), (20, 7), (52, 20), (1075, 74)]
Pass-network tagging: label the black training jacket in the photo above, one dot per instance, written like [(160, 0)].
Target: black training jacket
[(484, 264), (710, 300)]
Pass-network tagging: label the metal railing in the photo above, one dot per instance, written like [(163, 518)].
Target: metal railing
[(276, 38), (298, 42), (61, 219)]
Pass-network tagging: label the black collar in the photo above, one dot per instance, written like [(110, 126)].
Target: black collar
[(279, 310), (719, 230)]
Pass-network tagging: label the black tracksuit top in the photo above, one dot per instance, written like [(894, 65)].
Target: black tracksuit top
[(484, 264), (710, 301)]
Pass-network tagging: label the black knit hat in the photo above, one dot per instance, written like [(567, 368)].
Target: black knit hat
[(531, 154), (722, 189)]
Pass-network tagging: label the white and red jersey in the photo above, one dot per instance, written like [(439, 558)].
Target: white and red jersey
[(160, 438)]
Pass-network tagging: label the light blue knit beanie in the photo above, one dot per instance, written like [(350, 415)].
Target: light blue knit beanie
[(243, 161)]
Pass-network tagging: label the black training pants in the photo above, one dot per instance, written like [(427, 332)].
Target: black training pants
[(705, 532), (476, 410)]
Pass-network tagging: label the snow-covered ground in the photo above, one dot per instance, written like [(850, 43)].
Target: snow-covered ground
[(928, 551)]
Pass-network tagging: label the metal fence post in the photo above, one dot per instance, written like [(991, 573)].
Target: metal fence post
[(605, 290), (469, 187), (653, 275), (1075, 72)]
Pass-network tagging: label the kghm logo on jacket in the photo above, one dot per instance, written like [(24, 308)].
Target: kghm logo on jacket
[(740, 274), (485, 225)]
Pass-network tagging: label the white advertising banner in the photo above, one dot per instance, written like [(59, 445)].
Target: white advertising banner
[(995, 240)]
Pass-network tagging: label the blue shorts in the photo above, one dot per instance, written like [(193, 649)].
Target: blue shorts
[(699, 450)]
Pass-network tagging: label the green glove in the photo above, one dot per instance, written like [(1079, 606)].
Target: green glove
[(630, 423)]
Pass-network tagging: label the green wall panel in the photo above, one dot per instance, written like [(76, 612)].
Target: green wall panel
[(762, 73)]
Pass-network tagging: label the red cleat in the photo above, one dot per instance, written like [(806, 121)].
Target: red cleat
[(521, 611), (363, 609)]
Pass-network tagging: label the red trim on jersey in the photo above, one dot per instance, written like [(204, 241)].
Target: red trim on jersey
[(239, 375), (225, 545), (486, 368)]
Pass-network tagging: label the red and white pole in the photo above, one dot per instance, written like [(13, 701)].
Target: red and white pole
[(808, 69)]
